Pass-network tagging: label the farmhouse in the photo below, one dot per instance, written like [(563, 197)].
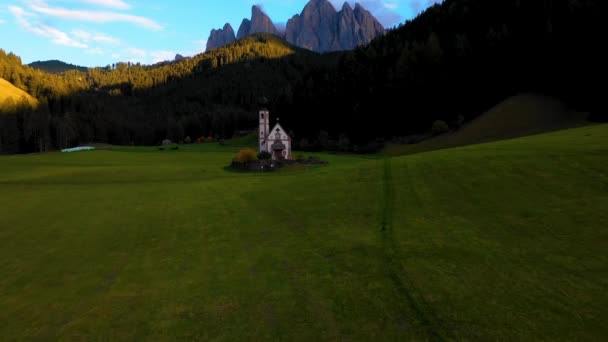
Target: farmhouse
[(276, 141)]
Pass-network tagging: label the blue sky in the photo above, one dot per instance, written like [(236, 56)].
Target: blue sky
[(102, 32)]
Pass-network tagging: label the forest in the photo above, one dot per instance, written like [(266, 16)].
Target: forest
[(451, 63)]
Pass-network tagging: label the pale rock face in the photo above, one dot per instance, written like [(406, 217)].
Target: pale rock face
[(370, 27), (348, 27), (259, 23), (220, 37), (318, 28), (314, 28), (244, 29)]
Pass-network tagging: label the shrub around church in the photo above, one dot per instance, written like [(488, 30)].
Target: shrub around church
[(247, 155), (264, 155)]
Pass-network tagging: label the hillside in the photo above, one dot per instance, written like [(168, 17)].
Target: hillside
[(7, 90), (56, 67), (495, 242), (515, 117), (456, 59), (212, 94)]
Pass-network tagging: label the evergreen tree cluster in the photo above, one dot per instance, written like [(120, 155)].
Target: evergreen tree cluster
[(454, 61), (213, 94)]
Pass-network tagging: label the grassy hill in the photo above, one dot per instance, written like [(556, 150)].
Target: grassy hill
[(499, 241), (56, 67), (7, 90), (515, 117)]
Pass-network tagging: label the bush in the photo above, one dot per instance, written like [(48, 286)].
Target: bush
[(370, 147), (175, 148), (264, 155), (188, 140), (247, 155), (440, 127)]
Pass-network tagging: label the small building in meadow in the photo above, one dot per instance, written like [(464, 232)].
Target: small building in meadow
[(275, 141)]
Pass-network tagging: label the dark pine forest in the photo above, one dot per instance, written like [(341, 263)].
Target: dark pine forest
[(453, 62)]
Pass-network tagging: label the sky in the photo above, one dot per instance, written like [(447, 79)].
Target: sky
[(101, 32)]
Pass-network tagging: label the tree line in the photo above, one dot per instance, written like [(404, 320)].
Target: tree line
[(455, 61), (214, 94), (452, 62)]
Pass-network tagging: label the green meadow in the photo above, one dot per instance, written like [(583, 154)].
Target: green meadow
[(498, 241)]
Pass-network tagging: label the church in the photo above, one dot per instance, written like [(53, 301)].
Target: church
[(276, 141)]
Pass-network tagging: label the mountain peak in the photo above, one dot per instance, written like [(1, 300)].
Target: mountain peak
[(259, 23), (319, 2), (319, 27), (323, 5), (256, 10), (221, 37)]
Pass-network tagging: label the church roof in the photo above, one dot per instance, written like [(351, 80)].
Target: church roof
[(274, 129)]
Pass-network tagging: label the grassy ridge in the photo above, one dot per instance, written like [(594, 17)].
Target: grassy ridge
[(7, 90), (517, 116), (496, 241)]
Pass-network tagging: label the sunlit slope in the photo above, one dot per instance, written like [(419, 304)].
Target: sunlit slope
[(7, 90)]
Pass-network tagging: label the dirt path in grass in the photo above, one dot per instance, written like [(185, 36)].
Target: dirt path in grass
[(410, 300)]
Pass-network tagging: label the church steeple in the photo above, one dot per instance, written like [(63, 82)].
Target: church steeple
[(264, 129)]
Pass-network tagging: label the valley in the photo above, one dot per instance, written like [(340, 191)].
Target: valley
[(324, 176)]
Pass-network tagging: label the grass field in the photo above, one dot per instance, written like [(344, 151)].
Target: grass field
[(501, 241)]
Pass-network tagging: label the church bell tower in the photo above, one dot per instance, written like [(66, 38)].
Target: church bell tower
[(264, 129)]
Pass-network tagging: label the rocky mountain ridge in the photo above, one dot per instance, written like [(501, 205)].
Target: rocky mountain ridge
[(318, 28)]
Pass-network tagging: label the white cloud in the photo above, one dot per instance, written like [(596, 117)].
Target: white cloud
[(161, 56), (95, 37), (119, 4), (135, 55), (82, 34), (93, 16), (95, 51), (56, 36), (103, 38), (136, 52), (392, 5), (2, 21), (199, 47)]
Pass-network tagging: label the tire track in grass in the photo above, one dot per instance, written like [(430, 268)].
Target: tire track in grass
[(408, 293)]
